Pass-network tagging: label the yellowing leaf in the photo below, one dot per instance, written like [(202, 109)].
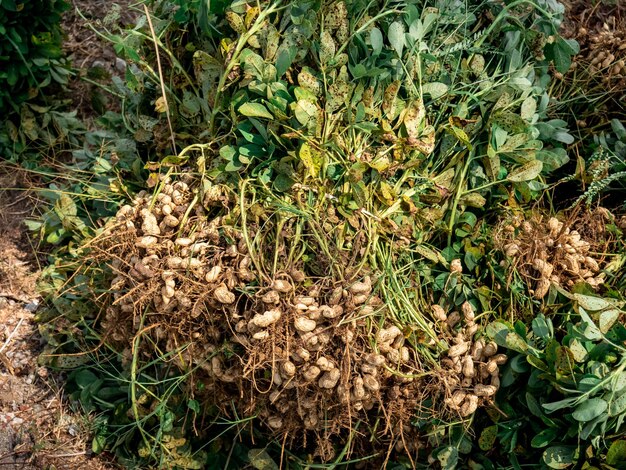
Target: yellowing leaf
[(160, 105), (255, 110), (526, 172), (426, 141), (270, 42), (261, 460), (327, 47), (529, 106), (428, 253), (387, 193), (381, 163), (462, 136), (309, 82), (389, 100), (414, 117), (235, 22), (473, 200), (311, 159), (492, 163), (251, 15), (305, 111), (338, 95)]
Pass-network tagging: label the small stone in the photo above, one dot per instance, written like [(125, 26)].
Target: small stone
[(120, 64), (98, 64), (32, 306), (72, 430)]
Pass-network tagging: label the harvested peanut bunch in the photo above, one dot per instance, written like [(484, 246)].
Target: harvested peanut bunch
[(604, 49), (470, 371), (546, 250), (308, 358), (176, 269), (309, 351)]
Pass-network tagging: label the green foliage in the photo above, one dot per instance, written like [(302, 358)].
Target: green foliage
[(564, 388), (414, 118), (326, 88), (38, 131), (605, 169), (30, 49)]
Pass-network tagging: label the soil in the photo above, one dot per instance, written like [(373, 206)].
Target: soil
[(37, 428), (92, 56)]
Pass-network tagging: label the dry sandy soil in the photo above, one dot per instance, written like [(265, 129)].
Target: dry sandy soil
[(37, 429)]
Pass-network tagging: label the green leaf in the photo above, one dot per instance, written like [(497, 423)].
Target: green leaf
[(533, 405), (537, 363), (283, 183), (515, 342), (498, 331), (255, 110), (560, 52), (526, 172), (618, 382), (261, 460), (617, 453), (488, 437), (206, 68), (84, 378), (559, 457), (590, 409), (448, 458), (376, 40), (559, 405), (590, 331), (607, 319), (396, 36), (194, 406), (435, 89), (540, 327), (618, 405), (228, 152), (552, 159), (98, 444), (544, 438)]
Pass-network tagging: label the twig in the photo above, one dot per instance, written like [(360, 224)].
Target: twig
[(73, 454), (8, 340), (17, 298), (161, 81)]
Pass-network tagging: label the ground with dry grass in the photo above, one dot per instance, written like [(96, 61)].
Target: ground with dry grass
[(37, 428)]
